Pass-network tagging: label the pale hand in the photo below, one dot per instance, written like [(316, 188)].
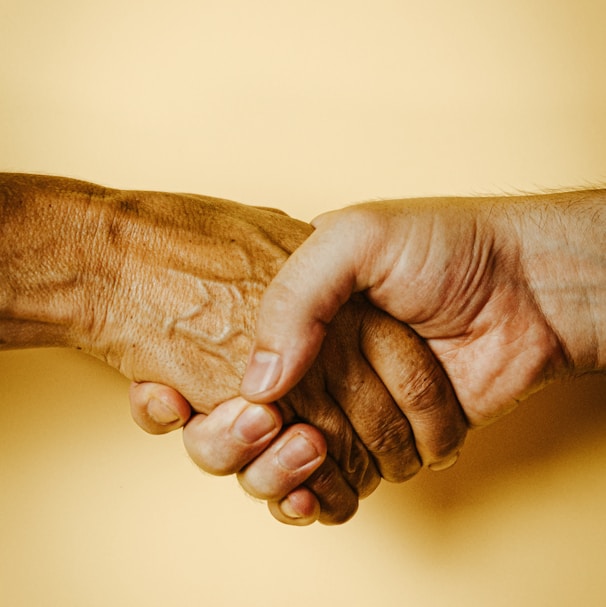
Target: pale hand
[(508, 292)]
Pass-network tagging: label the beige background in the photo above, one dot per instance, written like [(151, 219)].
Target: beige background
[(305, 106)]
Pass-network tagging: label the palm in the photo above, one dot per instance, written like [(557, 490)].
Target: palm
[(471, 302)]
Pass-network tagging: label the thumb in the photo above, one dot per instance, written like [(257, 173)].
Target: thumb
[(301, 300)]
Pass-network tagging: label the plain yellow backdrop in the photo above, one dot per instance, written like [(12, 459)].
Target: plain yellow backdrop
[(305, 106)]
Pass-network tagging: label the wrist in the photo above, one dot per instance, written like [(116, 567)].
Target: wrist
[(561, 243)]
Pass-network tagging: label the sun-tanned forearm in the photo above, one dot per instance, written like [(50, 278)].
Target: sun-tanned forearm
[(49, 235), (81, 263)]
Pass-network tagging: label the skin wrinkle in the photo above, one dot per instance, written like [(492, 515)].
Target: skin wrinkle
[(540, 371), (421, 270), (472, 276)]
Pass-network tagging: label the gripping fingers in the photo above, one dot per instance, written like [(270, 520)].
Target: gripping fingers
[(420, 387), (378, 421), (236, 432), (298, 457), (338, 501), (286, 464), (231, 435)]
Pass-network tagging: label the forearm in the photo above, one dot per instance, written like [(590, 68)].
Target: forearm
[(49, 237), (160, 286), (563, 252)]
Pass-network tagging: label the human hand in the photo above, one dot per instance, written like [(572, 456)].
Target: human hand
[(508, 292), (231, 439), (215, 442), (165, 288)]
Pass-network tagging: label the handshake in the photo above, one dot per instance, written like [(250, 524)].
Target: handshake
[(310, 362)]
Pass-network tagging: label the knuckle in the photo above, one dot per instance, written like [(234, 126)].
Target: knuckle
[(354, 460), (393, 438), (434, 414), (395, 452), (360, 471), (424, 390), (338, 502)]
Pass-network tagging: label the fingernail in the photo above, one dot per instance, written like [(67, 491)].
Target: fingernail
[(253, 424), (297, 452), (262, 373), (161, 413), (288, 510), (444, 465)]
